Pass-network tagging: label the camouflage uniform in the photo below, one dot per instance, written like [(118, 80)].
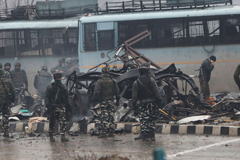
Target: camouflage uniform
[(19, 77), (105, 90), (41, 81), (6, 90), (145, 90), (56, 100)]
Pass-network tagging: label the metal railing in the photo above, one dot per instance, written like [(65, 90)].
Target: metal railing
[(31, 12), (145, 5)]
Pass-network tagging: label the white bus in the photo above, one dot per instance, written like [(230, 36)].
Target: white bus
[(184, 35)]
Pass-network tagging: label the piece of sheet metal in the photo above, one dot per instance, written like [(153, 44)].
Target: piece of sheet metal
[(193, 119)]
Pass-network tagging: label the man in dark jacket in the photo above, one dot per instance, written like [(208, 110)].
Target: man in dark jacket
[(19, 76), (7, 95), (105, 91), (146, 94), (57, 101), (41, 81), (60, 68), (205, 76)]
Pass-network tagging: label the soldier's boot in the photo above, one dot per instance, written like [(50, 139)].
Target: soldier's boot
[(151, 136), (6, 133), (63, 138), (51, 138), (142, 136), (102, 135)]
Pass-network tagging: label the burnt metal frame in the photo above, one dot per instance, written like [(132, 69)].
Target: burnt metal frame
[(75, 80)]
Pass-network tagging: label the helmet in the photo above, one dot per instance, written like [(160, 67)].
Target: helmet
[(68, 60), (44, 68), (105, 70), (17, 64), (57, 75), (1, 65), (7, 64), (144, 69), (62, 60), (1, 72), (213, 58)]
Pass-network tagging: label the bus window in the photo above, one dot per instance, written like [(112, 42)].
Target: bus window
[(232, 30), (105, 40), (128, 29), (196, 32), (90, 37), (214, 31), (9, 43), (168, 32), (58, 36)]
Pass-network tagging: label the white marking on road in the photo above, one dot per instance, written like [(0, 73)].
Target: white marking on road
[(201, 148)]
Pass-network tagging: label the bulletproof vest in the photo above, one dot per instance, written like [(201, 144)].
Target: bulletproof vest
[(144, 87), (107, 88), (44, 79), (18, 77), (57, 95)]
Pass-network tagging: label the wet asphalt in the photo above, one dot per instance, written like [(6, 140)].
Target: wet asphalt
[(123, 147)]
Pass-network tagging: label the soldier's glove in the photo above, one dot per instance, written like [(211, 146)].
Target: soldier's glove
[(26, 88)]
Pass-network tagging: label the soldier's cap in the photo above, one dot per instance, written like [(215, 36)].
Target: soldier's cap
[(57, 75), (1, 72), (62, 60), (105, 69), (17, 64), (7, 64), (213, 58), (44, 68)]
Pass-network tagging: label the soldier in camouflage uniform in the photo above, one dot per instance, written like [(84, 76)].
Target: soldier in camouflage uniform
[(57, 100), (145, 91), (7, 95), (6, 73), (19, 76), (7, 67), (105, 91)]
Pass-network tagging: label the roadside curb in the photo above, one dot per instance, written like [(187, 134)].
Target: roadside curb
[(133, 128)]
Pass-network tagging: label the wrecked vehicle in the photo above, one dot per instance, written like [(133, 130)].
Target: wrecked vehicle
[(174, 84)]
